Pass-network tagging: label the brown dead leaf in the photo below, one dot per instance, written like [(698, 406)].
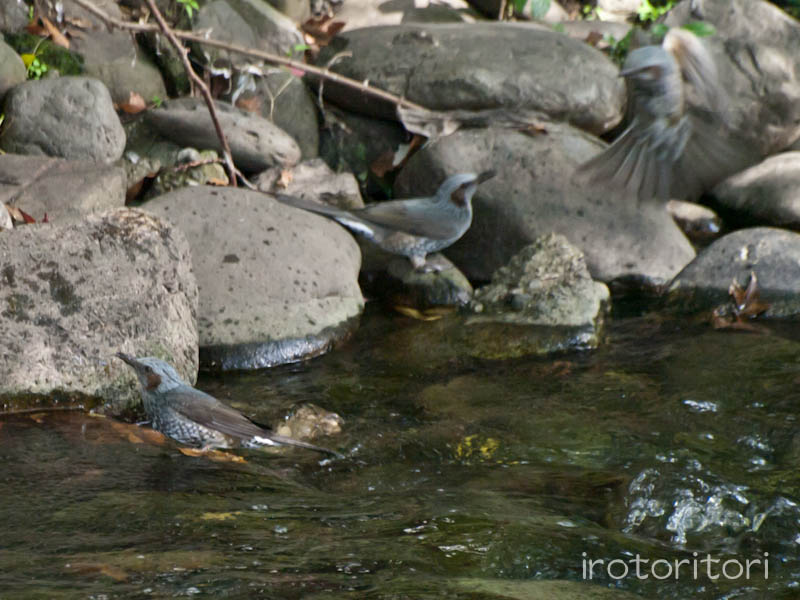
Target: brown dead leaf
[(19, 215), (215, 455), (138, 435), (54, 33), (251, 104), (320, 31), (133, 105), (284, 179), (594, 38), (431, 314)]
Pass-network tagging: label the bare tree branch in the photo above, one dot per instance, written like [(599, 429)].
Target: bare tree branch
[(275, 59), (200, 84)]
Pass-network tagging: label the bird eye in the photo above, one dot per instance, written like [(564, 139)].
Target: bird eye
[(148, 369)]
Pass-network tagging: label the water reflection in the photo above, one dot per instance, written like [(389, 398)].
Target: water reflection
[(464, 479)]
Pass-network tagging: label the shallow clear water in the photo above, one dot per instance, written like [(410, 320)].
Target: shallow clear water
[(464, 479)]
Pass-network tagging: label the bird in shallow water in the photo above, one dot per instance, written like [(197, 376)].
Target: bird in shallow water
[(414, 227), (677, 144), (195, 418)]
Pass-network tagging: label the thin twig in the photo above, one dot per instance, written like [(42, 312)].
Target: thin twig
[(310, 70), (184, 54)]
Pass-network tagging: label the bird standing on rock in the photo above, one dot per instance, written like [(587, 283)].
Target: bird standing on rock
[(195, 418), (414, 227), (677, 144)]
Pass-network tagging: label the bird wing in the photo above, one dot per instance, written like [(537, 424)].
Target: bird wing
[(633, 162), (208, 411), (212, 413), (712, 154), (417, 216)]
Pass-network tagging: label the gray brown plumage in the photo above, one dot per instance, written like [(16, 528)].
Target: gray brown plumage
[(677, 144), (413, 227), (195, 418)]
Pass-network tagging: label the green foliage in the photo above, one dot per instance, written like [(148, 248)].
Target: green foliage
[(700, 28), (49, 56), (156, 101), (619, 48), (36, 68), (297, 49), (648, 12), (189, 6), (539, 8), (589, 12), (791, 7)]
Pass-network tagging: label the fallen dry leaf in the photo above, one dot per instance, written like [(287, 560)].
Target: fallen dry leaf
[(251, 104), (133, 105), (284, 179), (55, 34), (215, 455), (431, 314)]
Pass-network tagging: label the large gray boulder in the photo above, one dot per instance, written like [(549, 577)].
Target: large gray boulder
[(756, 46), (73, 295), (277, 284), (68, 117), (64, 190), (537, 191), (479, 66)]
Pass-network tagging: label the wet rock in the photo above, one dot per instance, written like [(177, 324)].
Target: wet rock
[(256, 143), (64, 190), (545, 283), (767, 193), (536, 191), (68, 117), (248, 23), (469, 66), (772, 254), (699, 223), (308, 422), (60, 323), (312, 180), (12, 69), (276, 284), (755, 47), (395, 281)]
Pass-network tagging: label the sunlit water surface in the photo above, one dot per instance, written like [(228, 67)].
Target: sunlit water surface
[(463, 479)]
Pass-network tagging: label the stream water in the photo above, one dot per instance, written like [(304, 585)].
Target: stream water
[(464, 478)]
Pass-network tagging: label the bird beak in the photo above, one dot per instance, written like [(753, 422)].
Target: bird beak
[(486, 176), (128, 359)]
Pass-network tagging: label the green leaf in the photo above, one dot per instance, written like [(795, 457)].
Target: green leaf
[(539, 8), (700, 29), (519, 5)]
